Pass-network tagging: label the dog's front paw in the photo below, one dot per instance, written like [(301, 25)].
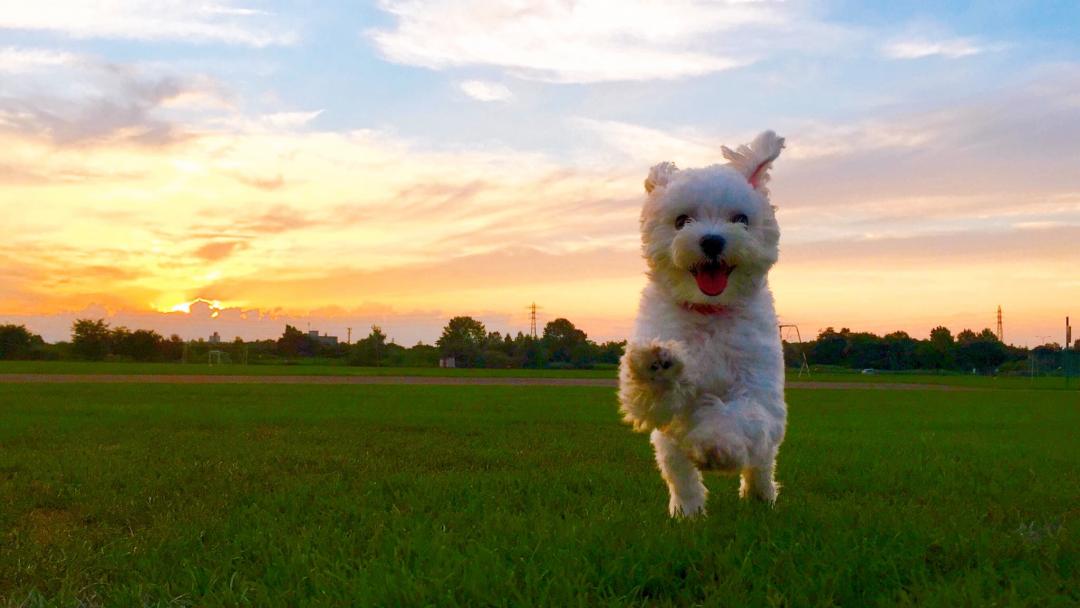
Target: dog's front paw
[(657, 364)]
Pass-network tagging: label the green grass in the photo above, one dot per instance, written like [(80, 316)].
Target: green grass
[(224, 495), (96, 367), (86, 367), (962, 380)]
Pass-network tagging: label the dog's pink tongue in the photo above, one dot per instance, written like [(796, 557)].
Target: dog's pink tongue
[(711, 281)]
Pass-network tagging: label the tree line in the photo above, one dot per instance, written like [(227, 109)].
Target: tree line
[(464, 340), (468, 343), (968, 352)]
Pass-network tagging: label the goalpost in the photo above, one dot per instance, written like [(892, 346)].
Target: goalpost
[(804, 366)]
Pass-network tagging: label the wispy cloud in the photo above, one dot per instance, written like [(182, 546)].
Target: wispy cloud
[(219, 250), (919, 48), (290, 120), (15, 60), (79, 99), (590, 41), (174, 20), (483, 90)]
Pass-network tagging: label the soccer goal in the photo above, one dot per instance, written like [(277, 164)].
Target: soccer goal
[(788, 331)]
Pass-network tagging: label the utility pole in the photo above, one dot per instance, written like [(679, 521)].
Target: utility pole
[(1067, 352), (349, 339)]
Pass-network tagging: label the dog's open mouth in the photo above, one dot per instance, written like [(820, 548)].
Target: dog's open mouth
[(712, 277)]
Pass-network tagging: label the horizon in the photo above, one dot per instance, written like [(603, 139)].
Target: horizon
[(401, 163), (203, 318)]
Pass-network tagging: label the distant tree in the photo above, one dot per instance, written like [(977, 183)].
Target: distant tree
[(16, 342), (900, 350), (371, 351), (90, 339), (497, 352), (464, 339), (865, 350), (941, 338), (295, 343), (610, 352), (1048, 357), (421, 355), (939, 352), (565, 343), (171, 349), (530, 352), (830, 347), (140, 345), (965, 336), (981, 352)]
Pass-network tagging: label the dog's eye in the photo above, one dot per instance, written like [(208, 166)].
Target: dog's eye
[(681, 221), (741, 219)]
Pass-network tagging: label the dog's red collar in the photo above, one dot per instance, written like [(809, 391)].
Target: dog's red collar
[(705, 309)]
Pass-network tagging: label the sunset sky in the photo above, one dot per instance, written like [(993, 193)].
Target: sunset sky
[(400, 162)]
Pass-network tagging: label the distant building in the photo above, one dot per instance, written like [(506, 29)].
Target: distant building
[(215, 338), (324, 339)]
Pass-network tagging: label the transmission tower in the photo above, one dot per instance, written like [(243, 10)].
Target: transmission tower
[(1000, 326), (532, 319)]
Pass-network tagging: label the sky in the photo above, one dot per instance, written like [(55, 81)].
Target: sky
[(337, 165)]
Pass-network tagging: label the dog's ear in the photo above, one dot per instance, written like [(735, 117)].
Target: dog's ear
[(659, 176), (755, 159)]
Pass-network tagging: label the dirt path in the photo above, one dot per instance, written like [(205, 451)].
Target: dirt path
[(426, 380)]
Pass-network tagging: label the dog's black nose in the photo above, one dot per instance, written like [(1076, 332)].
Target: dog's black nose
[(712, 245)]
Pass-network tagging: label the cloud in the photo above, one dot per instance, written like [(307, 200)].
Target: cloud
[(262, 183), (954, 48), (74, 99), (486, 91), (987, 166), (649, 145), (219, 250), (14, 60), (589, 41), (173, 20), (290, 120)]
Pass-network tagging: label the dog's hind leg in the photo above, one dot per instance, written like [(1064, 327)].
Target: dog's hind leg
[(687, 491)]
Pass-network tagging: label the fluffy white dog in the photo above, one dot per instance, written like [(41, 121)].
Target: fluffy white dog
[(704, 370)]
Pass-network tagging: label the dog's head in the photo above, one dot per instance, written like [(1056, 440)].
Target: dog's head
[(710, 235)]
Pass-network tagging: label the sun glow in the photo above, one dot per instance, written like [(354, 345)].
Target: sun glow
[(185, 307)]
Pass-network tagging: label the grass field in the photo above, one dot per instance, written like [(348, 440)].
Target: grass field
[(83, 367), (215, 495), (962, 380), (94, 367)]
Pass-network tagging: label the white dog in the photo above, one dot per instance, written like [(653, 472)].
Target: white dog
[(704, 370)]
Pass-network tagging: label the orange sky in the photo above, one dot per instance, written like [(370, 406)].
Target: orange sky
[(136, 178)]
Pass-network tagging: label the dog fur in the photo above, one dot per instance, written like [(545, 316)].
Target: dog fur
[(705, 373)]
